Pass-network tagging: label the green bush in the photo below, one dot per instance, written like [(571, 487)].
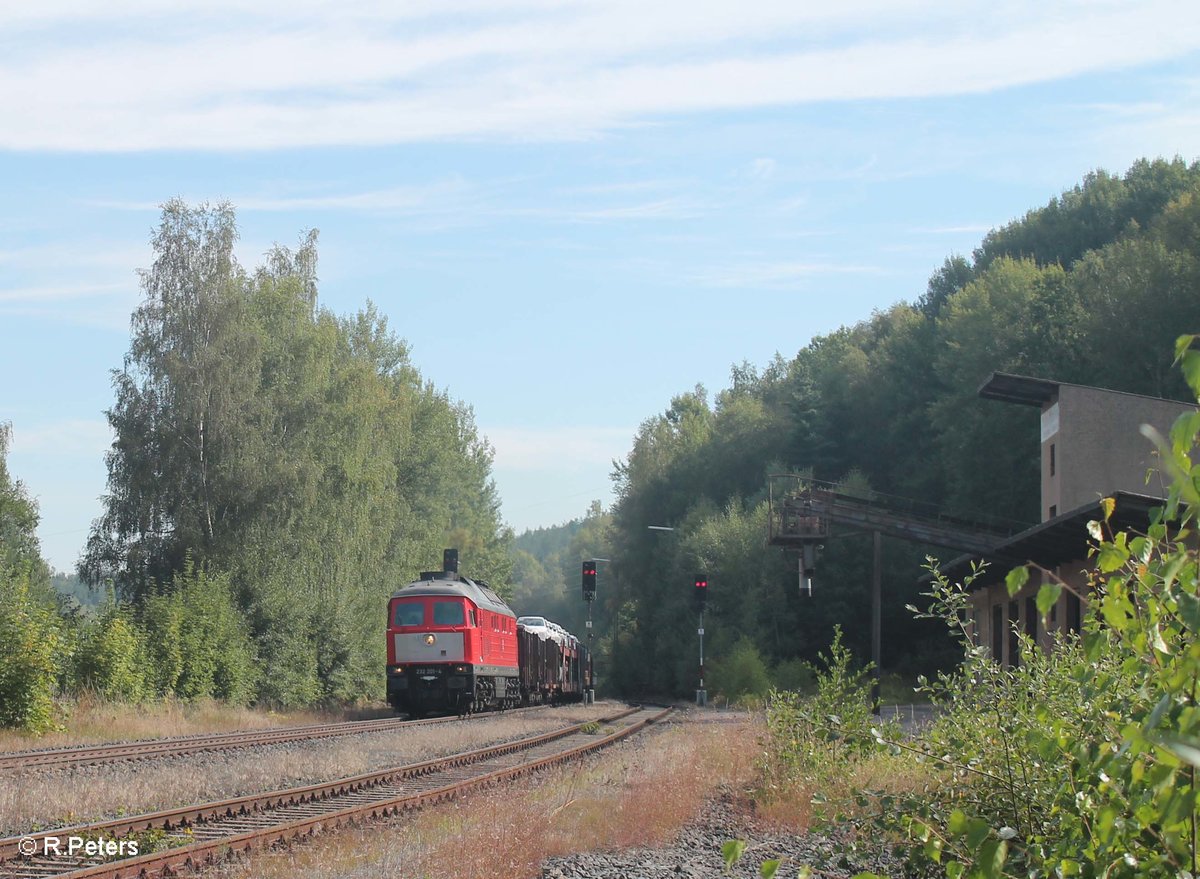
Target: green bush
[(110, 659), (30, 654), (198, 644), (162, 620), (795, 675), (811, 733), (742, 673)]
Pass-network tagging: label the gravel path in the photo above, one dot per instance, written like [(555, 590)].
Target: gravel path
[(696, 852)]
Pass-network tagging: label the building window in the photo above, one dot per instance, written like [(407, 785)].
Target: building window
[(998, 632), (1051, 459)]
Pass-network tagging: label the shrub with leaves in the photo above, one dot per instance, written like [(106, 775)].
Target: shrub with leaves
[(30, 654), (197, 641), (110, 659), (812, 737), (742, 673)]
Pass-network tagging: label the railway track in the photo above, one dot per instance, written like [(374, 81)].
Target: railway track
[(194, 836), (111, 753)]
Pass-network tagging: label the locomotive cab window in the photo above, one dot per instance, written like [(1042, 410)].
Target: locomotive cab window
[(408, 614), (448, 613)]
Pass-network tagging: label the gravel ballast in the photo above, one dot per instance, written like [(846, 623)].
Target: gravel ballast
[(696, 853)]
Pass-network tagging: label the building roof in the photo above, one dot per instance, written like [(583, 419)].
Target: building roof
[(1030, 391), (1062, 539), (1018, 389)]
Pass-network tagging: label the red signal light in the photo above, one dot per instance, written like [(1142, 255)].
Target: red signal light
[(589, 581)]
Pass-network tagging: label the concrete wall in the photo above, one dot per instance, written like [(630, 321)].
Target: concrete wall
[(1092, 445), (993, 602)]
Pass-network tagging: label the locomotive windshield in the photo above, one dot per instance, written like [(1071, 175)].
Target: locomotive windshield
[(448, 613), (409, 613)]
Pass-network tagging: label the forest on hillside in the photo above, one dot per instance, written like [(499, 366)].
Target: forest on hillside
[(1091, 288)]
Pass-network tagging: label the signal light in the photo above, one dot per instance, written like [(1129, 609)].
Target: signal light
[(450, 561), (589, 581), (701, 589)]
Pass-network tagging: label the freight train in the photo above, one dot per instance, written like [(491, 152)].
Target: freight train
[(453, 644)]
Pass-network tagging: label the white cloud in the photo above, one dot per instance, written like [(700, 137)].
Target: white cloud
[(60, 292), (558, 448), (316, 73), (86, 438), (667, 208), (762, 169), (967, 228), (778, 275)]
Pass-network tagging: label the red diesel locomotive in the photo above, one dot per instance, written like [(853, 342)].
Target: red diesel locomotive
[(454, 645)]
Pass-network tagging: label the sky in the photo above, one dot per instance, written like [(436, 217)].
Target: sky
[(572, 212)]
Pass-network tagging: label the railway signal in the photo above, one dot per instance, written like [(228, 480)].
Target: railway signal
[(589, 595), (589, 581), (700, 590)]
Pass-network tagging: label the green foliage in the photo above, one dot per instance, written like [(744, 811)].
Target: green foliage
[(18, 519), (110, 658), (813, 737), (33, 642), (30, 653), (296, 451), (795, 675), (741, 673), (197, 641)]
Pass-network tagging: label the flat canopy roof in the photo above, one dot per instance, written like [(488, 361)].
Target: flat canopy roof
[(1062, 539), (1018, 389), (1030, 391)]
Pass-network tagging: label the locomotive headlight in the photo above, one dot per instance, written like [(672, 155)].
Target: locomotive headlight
[(430, 639)]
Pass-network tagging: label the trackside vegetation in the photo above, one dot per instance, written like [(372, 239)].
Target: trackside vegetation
[(1080, 762)]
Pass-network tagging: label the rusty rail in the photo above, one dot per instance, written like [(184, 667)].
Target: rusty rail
[(86, 755), (213, 830)]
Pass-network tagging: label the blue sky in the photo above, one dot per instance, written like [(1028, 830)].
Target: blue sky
[(571, 211)]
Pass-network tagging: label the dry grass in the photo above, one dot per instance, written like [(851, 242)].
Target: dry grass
[(69, 796), (788, 804), (89, 720), (637, 794)]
